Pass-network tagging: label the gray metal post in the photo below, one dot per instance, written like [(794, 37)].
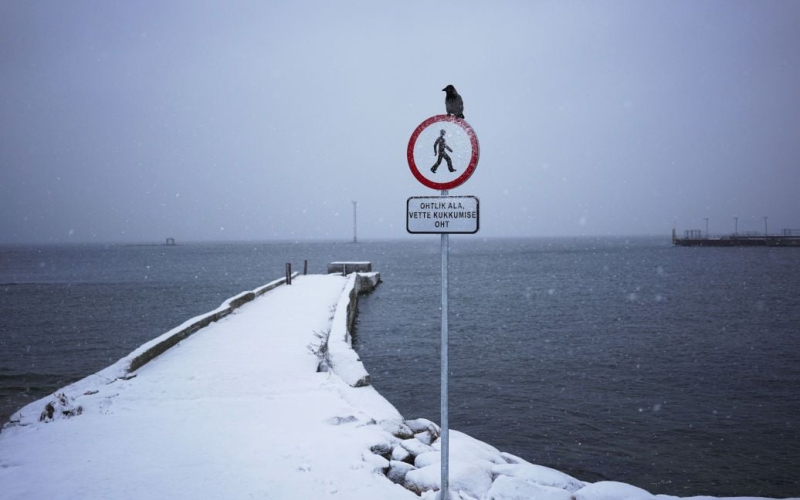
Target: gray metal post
[(305, 267), (706, 218), (445, 411)]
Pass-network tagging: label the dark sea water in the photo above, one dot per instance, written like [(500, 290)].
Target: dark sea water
[(674, 369)]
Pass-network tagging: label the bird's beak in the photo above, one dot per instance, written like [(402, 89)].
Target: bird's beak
[(444, 90)]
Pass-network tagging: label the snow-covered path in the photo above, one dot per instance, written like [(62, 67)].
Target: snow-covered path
[(236, 411)]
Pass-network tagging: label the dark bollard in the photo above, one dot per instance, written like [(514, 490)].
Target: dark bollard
[(305, 267), (288, 273)]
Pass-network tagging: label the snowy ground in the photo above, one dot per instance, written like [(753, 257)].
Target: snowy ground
[(239, 410)]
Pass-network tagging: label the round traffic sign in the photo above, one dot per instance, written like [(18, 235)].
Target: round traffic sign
[(443, 152)]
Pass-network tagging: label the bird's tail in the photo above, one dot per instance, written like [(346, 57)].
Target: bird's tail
[(461, 115)]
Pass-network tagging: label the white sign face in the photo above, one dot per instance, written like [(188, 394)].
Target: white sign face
[(443, 152), (442, 214)]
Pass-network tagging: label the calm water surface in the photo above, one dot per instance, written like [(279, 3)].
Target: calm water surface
[(675, 369)]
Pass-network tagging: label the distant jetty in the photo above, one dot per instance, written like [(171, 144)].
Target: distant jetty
[(695, 238)]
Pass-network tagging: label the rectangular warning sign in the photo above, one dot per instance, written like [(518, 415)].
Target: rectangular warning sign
[(442, 214)]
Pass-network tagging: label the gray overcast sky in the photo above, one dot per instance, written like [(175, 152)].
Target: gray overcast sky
[(134, 121)]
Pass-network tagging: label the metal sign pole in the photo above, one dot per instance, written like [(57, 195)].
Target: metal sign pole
[(445, 427), (428, 215)]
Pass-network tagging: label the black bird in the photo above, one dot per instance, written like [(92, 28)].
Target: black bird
[(453, 103)]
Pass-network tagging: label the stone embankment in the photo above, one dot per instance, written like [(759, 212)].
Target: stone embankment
[(338, 354), (479, 471)]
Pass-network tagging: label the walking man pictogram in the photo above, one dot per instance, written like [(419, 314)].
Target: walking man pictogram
[(440, 148)]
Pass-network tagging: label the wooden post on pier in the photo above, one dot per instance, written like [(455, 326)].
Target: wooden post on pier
[(288, 273), (305, 267)]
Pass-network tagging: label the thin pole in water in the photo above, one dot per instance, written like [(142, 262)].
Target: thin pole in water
[(445, 427), (355, 225)]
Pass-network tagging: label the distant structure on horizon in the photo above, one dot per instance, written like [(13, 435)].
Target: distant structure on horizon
[(695, 238), (170, 242)]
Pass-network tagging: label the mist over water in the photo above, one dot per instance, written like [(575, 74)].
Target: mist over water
[(214, 121), (674, 369)]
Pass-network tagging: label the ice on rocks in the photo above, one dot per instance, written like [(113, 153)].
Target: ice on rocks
[(400, 454), (398, 470), (467, 476), (539, 474), (464, 445), (426, 459), (512, 459), (397, 429), (421, 425), (512, 488), (424, 437), (61, 406), (612, 490), (383, 449), (376, 462), (478, 463), (341, 420), (415, 447)]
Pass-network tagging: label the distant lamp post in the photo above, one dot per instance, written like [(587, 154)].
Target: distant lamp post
[(766, 233), (706, 218), (355, 233), (736, 226)]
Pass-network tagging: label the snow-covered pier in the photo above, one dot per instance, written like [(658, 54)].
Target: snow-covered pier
[(262, 398)]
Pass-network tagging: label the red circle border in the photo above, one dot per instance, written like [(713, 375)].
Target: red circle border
[(473, 162)]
